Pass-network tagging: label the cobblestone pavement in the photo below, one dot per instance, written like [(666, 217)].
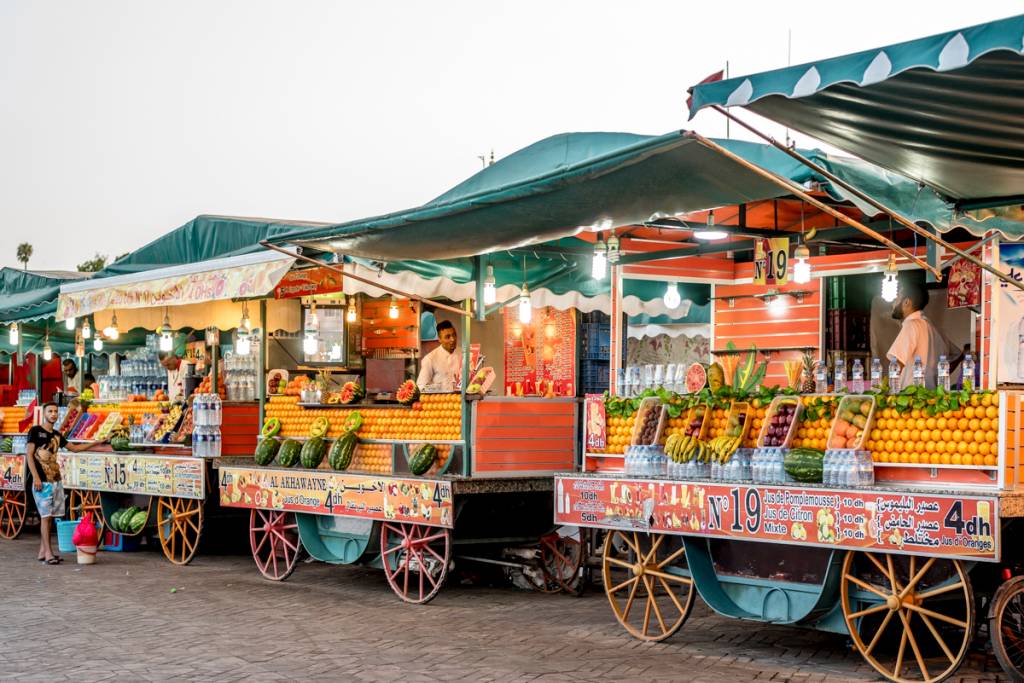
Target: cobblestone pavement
[(134, 616)]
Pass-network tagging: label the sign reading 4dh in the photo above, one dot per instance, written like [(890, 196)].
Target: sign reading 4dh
[(771, 261)]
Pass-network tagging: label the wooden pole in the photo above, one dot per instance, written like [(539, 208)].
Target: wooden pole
[(821, 206), (898, 217)]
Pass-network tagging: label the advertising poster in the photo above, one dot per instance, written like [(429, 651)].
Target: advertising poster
[(597, 425), (1008, 317), (540, 356), (12, 473), (964, 285), (150, 475), (771, 261)]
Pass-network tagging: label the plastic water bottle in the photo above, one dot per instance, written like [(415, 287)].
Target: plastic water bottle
[(867, 470), (943, 380), (857, 377), (918, 372), (840, 375), (968, 374), (821, 378), (876, 373), (894, 375)]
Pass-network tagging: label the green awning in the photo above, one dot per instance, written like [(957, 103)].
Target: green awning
[(945, 110), (31, 295)]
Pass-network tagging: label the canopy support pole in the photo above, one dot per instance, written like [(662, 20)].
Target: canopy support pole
[(481, 268), (341, 271), (821, 206), (898, 217), (261, 383), (616, 332)]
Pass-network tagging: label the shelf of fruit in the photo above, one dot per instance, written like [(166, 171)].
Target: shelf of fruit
[(435, 417)]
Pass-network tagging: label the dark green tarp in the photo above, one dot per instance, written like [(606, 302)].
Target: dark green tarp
[(30, 295)]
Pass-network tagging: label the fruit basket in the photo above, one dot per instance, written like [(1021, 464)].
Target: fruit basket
[(650, 422), (697, 421), (780, 422), (852, 422)]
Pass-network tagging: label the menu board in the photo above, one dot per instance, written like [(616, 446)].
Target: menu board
[(12, 472), (326, 492), (150, 475), (964, 527), (540, 356)]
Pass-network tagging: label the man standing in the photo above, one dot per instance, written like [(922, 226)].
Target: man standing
[(919, 338), (71, 378), (439, 369), (176, 371), (44, 441)]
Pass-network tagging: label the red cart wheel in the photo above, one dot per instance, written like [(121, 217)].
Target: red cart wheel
[(12, 513), (562, 560), (274, 539), (415, 559)]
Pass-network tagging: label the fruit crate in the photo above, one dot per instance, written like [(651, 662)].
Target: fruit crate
[(786, 441), (647, 406), (852, 423), (596, 341), (594, 376), (737, 411), (691, 427)]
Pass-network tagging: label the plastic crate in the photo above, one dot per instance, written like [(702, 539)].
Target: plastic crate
[(65, 532), (594, 375), (117, 543), (596, 341)]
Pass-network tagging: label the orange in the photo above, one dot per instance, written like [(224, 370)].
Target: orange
[(940, 447), (989, 461), (914, 459), (961, 448), (921, 424), (963, 423), (972, 448), (991, 436), (934, 459), (947, 435), (985, 424), (955, 460), (969, 412), (945, 459), (991, 412), (940, 423), (930, 423), (930, 447), (915, 413), (915, 435)]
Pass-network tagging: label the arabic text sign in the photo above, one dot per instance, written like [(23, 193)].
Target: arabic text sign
[(918, 524), (325, 492), (149, 475), (12, 473)]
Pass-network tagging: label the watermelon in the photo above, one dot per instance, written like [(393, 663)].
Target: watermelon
[(265, 451), (319, 427), (342, 451), (271, 427), (351, 392), (288, 453), (353, 421), (312, 453), (137, 521), (696, 378), (408, 393), (115, 520), (422, 459), (804, 464)]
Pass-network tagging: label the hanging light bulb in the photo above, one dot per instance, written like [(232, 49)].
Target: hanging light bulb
[(14, 333), (393, 309), (312, 320), (111, 331), (710, 232), (97, 344), (69, 324), (776, 303), (310, 345), (801, 265), (166, 334), (613, 248), (246, 323), (350, 314), (86, 330), (672, 298), (599, 266), (890, 283), (525, 307), (47, 351), (243, 344), (490, 287)]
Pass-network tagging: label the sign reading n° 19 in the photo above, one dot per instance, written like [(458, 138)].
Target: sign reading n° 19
[(771, 261)]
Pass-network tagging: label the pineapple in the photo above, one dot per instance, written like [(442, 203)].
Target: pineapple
[(807, 385)]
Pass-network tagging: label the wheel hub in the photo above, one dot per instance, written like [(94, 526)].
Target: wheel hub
[(893, 602), (638, 569)]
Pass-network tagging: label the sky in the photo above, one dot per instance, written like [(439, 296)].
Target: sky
[(122, 120)]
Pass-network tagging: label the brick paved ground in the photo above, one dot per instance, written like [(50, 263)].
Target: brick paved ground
[(225, 623)]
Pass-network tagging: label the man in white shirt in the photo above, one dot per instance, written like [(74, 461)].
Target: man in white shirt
[(439, 368), (919, 338), (176, 371)]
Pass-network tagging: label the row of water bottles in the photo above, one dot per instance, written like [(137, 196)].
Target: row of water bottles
[(856, 385), (767, 466), (736, 468), (646, 461), (206, 442), (844, 467), (207, 410)]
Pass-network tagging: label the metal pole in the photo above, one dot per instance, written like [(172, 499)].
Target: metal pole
[(38, 377), (213, 368), (467, 428), (615, 330), (799, 192), (261, 377), (481, 270), (899, 218)]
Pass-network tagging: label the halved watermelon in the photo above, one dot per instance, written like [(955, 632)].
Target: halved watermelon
[(696, 378), (408, 393)]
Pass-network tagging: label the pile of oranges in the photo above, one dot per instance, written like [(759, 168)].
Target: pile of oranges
[(206, 386), (968, 436), (13, 415), (620, 431)]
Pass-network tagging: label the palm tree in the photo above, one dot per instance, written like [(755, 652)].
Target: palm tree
[(24, 253)]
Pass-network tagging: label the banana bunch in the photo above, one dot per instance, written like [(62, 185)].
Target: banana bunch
[(683, 448), (722, 447)]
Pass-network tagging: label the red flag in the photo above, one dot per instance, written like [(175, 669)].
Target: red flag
[(717, 76)]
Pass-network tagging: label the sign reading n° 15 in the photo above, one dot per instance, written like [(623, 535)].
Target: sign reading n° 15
[(771, 261)]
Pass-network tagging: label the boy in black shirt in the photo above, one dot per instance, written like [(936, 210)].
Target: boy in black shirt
[(44, 441)]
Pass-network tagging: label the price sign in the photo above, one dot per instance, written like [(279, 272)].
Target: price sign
[(771, 261), (597, 429)]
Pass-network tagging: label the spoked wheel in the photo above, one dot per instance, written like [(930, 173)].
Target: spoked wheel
[(179, 521), (645, 583), (1006, 627), (562, 558), (415, 559), (274, 539), (911, 618), (12, 513), (81, 502)]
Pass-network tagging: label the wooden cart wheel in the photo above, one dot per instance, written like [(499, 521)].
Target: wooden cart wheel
[(12, 513), (562, 558), (891, 602), (81, 502), (644, 582), (1006, 627), (179, 521), (415, 559), (274, 539)]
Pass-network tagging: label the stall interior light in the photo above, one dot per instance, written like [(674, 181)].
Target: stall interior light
[(312, 320), (310, 344), (599, 266), (111, 331), (14, 333), (672, 298), (166, 335), (709, 233), (393, 309), (613, 248), (525, 307), (97, 344), (86, 330), (777, 303), (246, 323), (890, 282), (69, 324), (490, 287), (350, 314), (47, 350), (243, 341), (801, 265)]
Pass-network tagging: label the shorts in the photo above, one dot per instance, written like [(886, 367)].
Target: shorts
[(50, 501)]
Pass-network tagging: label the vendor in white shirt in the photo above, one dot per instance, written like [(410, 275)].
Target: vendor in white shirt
[(439, 369), (176, 369)]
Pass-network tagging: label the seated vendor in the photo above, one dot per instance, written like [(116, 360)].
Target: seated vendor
[(439, 370)]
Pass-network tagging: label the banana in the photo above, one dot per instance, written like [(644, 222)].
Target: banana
[(670, 443)]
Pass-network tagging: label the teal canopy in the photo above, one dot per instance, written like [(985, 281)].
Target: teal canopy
[(945, 110), (31, 295)]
